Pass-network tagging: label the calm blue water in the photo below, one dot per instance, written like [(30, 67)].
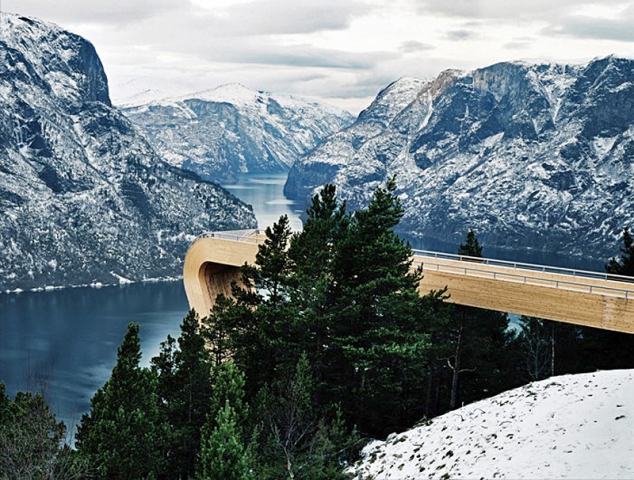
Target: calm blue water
[(64, 342), (265, 193)]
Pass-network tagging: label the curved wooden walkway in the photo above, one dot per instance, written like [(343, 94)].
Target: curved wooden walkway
[(572, 296)]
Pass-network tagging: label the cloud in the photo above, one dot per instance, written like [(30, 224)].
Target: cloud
[(583, 26), (513, 11), (519, 44), (414, 46), (225, 18), (300, 56), (460, 35), (281, 17), (111, 12)]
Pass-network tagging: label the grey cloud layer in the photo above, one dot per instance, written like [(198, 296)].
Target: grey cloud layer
[(270, 44), (620, 29), (562, 16)]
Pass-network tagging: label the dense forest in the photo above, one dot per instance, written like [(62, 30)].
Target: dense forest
[(325, 343)]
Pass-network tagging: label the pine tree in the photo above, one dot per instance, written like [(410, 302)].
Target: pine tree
[(32, 441), (184, 390), (122, 436), (471, 247), (343, 293), (379, 339), (223, 453), (224, 447), (296, 439), (261, 326), (312, 253), (479, 338), (625, 264)]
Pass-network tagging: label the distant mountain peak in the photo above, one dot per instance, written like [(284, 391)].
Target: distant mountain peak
[(234, 93), (232, 129), (536, 158)]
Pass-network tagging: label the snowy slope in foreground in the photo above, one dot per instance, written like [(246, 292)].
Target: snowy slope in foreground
[(573, 426)]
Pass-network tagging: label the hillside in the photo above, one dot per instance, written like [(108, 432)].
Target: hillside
[(231, 129), (83, 197), (538, 159), (572, 426)]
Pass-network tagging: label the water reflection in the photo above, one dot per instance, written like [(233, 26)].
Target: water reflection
[(64, 342)]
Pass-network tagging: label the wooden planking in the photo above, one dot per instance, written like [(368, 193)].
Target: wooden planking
[(212, 264), (570, 306)]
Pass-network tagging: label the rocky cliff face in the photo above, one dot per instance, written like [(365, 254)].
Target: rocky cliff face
[(83, 197), (232, 129), (538, 159)]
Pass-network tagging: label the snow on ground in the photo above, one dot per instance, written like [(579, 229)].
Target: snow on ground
[(572, 426)]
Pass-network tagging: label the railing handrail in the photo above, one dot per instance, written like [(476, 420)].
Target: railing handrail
[(532, 280), (526, 266), (249, 236)]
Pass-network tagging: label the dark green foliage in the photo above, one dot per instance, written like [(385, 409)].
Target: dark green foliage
[(184, 390), (228, 388), (32, 441), (295, 440), (223, 453), (224, 450), (469, 351), (625, 264), (471, 247), (122, 436), (341, 292), (379, 335)]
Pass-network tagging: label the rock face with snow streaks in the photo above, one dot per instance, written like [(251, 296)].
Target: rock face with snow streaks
[(537, 158), (232, 129), (83, 197)]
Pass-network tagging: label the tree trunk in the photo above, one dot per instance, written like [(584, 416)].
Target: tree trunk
[(552, 349), (429, 390), (456, 367)]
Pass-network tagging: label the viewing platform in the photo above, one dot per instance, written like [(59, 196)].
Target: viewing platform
[(580, 297)]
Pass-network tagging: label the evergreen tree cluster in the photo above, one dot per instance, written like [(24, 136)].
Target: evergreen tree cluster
[(326, 341)]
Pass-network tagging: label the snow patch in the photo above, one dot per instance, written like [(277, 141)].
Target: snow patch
[(572, 426), (603, 145)]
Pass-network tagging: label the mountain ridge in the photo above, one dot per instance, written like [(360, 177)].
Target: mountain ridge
[(83, 197), (536, 158), (231, 129)]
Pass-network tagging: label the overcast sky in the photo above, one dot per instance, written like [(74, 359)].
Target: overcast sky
[(340, 51)]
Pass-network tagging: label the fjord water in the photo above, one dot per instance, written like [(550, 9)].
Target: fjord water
[(265, 193), (64, 342)]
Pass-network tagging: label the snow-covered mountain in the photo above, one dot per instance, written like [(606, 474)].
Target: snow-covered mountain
[(83, 197), (232, 129), (572, 426), (536, 158)]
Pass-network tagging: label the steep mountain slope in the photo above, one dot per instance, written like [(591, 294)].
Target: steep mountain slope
[(537, 158), (232, 129), (83, 197), (573, 426)]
